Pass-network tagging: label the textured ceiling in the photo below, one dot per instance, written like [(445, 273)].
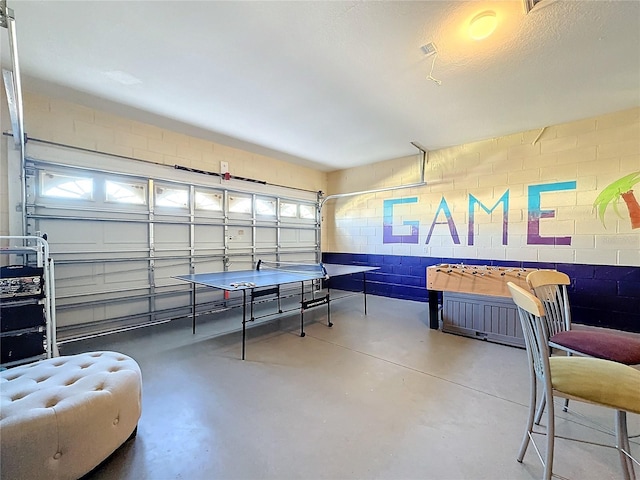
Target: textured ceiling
[(333, 84)]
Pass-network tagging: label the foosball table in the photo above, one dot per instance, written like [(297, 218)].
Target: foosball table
[(476, 301)]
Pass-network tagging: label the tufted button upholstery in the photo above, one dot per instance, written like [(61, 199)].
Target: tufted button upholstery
[(61, 417)]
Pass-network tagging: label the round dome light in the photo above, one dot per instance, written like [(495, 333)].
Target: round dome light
[(483, 25)]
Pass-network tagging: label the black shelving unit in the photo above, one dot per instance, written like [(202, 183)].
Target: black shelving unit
[(27, 301)]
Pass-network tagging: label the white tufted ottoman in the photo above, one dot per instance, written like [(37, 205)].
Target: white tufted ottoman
[(61, 417)]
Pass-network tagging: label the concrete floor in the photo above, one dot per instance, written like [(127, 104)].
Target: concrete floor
[(375, 397)]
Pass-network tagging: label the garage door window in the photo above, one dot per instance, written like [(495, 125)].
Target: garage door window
[(209, 201), (308, 212), (239, 204), (121, 192), (66, 186), (172, 197), (266, 207), (288, 209)]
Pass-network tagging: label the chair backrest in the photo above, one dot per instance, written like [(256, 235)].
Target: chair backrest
[(536, 339), (550, 286)]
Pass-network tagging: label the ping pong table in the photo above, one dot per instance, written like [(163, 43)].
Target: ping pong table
[(266, 280)]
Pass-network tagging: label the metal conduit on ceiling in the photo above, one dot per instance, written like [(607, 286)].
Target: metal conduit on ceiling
[(423, 162)]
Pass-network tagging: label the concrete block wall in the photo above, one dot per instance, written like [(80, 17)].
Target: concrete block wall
[(525, 199), (562, 167), (68, 123)]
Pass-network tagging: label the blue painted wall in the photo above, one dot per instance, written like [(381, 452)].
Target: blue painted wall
[(600, 295)]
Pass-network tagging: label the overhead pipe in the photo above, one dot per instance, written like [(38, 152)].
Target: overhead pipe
[(13, 87), (10, 89), (16, 109), (421, 183)]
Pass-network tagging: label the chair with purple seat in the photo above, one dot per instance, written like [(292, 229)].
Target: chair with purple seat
[(550, 286)]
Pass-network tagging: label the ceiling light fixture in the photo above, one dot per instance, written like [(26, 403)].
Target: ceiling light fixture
[(483, 25)]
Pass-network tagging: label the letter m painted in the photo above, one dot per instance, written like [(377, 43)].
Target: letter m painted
[(473, 201)]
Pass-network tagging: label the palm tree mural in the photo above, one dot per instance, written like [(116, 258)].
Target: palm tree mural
[(622, 188)]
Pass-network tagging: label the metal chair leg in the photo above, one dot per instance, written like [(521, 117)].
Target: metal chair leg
[(551, 433), (543, 403), (532, 409), (622, 444)]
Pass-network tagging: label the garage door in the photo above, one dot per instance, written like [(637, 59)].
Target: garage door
[(120, 229)]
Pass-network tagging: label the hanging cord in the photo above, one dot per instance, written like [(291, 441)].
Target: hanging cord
[(430, 77)]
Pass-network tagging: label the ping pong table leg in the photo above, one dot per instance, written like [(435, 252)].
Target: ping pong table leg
[(251, 311), (244, 318), (364, 290), (302, 334), (193, 308), (279, 302), (329, 323)]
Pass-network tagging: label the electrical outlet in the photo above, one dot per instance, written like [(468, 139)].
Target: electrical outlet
[(224, 167)]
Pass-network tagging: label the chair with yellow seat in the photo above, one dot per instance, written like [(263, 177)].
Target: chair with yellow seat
[(550, 286), (590, 380)]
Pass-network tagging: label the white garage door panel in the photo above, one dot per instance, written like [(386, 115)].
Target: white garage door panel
[(294, 222), (209, 236), (71, 235), (124, 233), (126, 308), (69, 278), (171, 236), (298, 257), (165, 269), (204, 265), (241, 262), (290, 237), (175, 301), (266, 236), (240, 237), (92, 210), (307, 237), (99, 283), (79, 281), (81, 315), (129, 274), (92, 240), (90, 253), (177, 254)]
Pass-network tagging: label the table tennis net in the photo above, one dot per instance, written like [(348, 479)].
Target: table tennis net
[(312, 268)]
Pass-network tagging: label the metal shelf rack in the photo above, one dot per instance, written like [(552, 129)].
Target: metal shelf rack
[(25, 252)]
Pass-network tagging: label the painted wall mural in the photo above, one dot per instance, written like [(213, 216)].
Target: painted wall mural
[(611, 195), (408, 231), (535, 213)]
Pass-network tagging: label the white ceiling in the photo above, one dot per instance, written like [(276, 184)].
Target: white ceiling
[(333, 84)]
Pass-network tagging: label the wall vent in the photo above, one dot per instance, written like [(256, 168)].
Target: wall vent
[(531, 4)]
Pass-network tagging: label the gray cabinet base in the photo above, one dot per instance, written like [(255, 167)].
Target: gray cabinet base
[(494, 319)]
